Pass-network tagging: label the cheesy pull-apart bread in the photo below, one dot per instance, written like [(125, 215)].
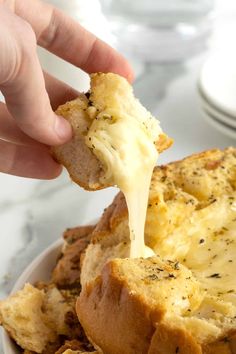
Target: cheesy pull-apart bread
[(183, 299)]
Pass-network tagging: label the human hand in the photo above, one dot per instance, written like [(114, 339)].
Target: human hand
[(27, 121)]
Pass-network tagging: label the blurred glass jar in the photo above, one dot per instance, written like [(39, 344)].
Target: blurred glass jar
[(159, 30), (88, 13)]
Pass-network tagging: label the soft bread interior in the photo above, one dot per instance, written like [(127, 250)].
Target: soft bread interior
[(34, 318)]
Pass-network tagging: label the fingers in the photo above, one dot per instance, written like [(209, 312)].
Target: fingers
[(22, 161), (58, 92), (9, 131), (66, 38), (22, 83)]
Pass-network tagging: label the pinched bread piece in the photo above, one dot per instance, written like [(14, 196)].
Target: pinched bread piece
[(105, 122), (191, 219), (82, 165)]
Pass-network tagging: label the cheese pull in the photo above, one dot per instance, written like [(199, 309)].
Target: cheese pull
[(123, 137)]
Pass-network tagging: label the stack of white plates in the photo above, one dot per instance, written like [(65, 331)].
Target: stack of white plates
[(217, 91)]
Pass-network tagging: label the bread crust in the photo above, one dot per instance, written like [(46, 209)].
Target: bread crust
[(142, 329), (114, 304), (169, 339), (82, 165)]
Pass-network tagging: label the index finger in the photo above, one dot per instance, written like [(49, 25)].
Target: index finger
[(64, 37)]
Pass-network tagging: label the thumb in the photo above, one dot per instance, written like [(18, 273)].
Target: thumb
[(22, 82)]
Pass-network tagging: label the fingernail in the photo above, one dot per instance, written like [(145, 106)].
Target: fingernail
[(62, 128)]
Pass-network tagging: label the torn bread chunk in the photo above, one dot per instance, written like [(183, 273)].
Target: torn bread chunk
[(35, 318), (191, 223), (90, 156), (124, 139), (22, 316), (48, 309)]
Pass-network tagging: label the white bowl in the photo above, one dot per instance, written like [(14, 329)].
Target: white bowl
[(219, 115), (39, 269), (218, 80), (221, 121), (222, 128)]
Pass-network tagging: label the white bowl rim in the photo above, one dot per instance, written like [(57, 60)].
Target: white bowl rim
[(203, 95), (225, 120), (216, 104), (211, 67), (219, 126)]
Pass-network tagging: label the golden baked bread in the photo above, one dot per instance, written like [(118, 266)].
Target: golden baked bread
[(21, 315), (42, 318), (108, 125), (183, 300), (38, 320), (35, 318), (73, 347), (66, 273), (69, 351)]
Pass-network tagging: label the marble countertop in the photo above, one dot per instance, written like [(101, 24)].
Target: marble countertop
[(34, 213)]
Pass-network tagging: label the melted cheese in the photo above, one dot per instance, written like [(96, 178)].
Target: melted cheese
[(206, 244), (212, 258), (123, 138)]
